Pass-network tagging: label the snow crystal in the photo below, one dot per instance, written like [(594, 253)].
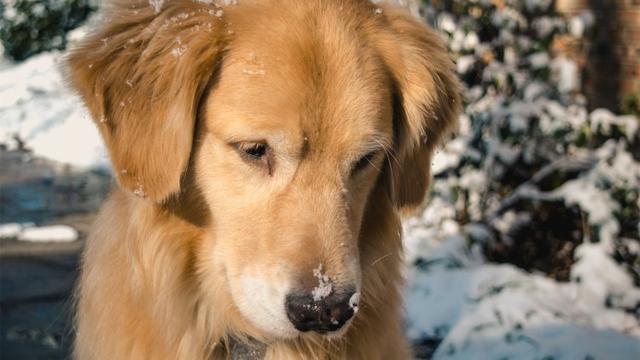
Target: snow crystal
[(54, 233), (254, 66), (139, 191), (354, 302), (253, 71), (156, 5), (179, 51), (324, 287)]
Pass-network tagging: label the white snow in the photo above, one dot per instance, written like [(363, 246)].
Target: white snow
[(486, 311), (539, 59), (604, 120), (465, 63), (178, 51), (10, 230), (446, 23), (580, 23), (38, 109), (31, 233), (324, 287), (139, 190), (156, 5), (566, 74), (253, 71), (354, 302)]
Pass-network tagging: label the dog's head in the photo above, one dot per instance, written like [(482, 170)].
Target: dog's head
[(288, 116)]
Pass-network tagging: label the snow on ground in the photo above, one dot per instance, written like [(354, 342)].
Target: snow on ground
[(31, 233), (487, 311), (38, 110)]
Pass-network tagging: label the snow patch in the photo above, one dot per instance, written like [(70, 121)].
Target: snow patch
[(12, 230), (324, 287), (488, 311), (139, 191), (46, 117), (354, 302), (30, 233), (156, 5)]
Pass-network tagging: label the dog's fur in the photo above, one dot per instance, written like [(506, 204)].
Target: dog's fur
[(199, 243)]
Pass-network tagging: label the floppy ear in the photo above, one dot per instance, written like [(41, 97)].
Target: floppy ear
[(427, 101), (142, 75)]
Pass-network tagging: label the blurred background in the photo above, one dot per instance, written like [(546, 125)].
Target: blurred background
[(528, 248)]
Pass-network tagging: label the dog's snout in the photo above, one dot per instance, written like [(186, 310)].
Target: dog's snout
[(322, 315)]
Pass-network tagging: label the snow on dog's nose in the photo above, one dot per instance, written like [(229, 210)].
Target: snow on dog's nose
[(325, 308)]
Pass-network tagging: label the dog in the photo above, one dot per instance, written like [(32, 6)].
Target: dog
[(264, 152)]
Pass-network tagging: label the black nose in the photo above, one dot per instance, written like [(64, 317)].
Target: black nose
[(322, 315)]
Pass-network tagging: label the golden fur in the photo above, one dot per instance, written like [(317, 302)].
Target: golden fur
[(174, 90)]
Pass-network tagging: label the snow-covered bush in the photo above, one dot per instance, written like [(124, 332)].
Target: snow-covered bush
[(532, 175), (531, 179), (28, 27)]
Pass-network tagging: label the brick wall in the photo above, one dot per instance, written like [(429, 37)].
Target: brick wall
[(610, 53)]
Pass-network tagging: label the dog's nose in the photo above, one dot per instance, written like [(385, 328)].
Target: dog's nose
[(329, 313)]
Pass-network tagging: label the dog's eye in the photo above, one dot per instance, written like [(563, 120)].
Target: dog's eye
[(254, 151), (364, 161)]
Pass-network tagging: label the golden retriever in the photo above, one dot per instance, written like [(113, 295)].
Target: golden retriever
[(263, 153)]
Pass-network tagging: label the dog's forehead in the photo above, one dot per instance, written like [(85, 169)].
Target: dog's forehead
[(324, 83)]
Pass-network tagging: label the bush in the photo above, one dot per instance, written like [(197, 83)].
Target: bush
[(530, 166), (28, 27)]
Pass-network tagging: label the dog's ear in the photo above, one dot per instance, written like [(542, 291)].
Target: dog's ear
[(426, 101), (142, 75)]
